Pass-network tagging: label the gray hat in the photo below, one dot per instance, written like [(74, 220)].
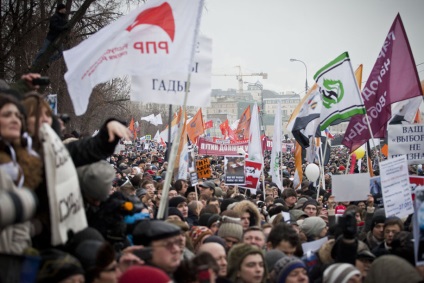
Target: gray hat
[(96, 179), (271, 257), (147, 231), (208, 184), (312, 226)]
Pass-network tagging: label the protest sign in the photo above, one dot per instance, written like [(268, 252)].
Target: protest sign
[(396, 188), (206, 147), (418, 221), (203, 168), (351, 187), (234, 170), (376, 191), (408, 140), (253, 173)]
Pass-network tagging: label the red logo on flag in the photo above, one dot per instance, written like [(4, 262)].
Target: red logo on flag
[(160, 16)]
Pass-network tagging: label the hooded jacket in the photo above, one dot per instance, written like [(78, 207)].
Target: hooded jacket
[(252, 209)]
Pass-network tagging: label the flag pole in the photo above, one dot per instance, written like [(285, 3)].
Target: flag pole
[(321, 165), (366, 114), (175, 145)]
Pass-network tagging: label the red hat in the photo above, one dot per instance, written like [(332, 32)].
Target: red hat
[(340, 209), (148, 273), (342, 168), (150, 172)]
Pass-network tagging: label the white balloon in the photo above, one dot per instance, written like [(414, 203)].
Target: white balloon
[(312, 172)]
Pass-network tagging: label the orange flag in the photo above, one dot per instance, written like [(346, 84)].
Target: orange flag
[(243, 127), (195, 127), (358, 76), (298, 175)]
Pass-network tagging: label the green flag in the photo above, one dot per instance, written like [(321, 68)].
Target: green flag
[(339, 92)]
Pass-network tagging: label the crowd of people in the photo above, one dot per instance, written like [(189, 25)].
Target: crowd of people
[(211, 232)]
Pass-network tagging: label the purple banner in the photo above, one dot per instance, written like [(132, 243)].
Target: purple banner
[(394, 78), (212, 148)]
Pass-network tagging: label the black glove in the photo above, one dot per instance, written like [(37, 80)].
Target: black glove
[(348, 225)]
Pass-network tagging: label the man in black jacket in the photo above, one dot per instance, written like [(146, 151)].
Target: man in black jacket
[(58, 24)]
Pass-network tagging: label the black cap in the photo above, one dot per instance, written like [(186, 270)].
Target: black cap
[(148, 230), (60, 7), (208, 184)]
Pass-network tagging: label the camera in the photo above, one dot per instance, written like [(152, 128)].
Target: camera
[(17, 206), (41, 81)]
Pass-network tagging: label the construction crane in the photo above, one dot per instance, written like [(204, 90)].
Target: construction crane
[(240, 76)]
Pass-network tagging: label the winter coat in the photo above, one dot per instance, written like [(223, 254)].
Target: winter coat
[(248, 206), (58, 23)]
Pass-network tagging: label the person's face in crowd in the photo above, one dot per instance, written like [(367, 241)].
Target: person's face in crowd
[(125, 160), (290, 201), (275, 193), (184, 188), (223, 187), (158, 194), (214, 202), (191, 196), (286, 247), (110, 274), (363, 265), (172, 194), (150, 190), (45, 117), (256, 238), (183, 208), (230, 242), (389, 232), (218, 253), (310, 210), (297, 275), (166, 253), (118, 175), (361, 205), (205, 191), (173, 217), (214, 227), (77, 278), (62, 11), (358, 217), (245, 220), (378, 231), (252, 269), (10, 122)]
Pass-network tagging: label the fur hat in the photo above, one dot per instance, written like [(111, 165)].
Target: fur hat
[(312, 226), (148, 273), (285, 265), (197, 233), (236, 256), (57, 266), (230, 227), (96, 179), (340, 273)]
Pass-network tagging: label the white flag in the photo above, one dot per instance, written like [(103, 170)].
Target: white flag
[(341, 98), (157, 120), (171, 89), (276, 149), (149, 118), (255, 145), (157, 39)]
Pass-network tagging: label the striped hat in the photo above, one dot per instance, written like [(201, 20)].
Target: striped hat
[(340, 273)]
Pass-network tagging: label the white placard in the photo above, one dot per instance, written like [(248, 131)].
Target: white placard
[(351, 187), (396, 188), (314, 245), (407, 140)]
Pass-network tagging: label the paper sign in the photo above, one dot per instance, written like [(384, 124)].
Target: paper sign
[(234, 170), (253, 173), (351, 187), (407, 140), (396, 188), (376, 191), (203, 168), (314, 245)]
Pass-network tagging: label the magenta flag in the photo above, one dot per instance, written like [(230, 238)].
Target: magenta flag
[(394, 78)]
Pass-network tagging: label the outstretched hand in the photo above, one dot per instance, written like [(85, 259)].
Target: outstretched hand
[(116, 129), (28, 80)]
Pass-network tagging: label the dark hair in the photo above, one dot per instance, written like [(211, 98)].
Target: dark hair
[(283, 232), (7, 99), (178, 185)]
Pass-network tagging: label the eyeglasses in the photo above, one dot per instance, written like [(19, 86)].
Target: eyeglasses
[(171, 244)]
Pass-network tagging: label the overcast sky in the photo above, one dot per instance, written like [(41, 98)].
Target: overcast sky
[(262, 36)]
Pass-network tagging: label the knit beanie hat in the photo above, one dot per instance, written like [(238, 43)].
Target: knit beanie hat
[(271, 257), (215, 239), (197, 233), (340, 273), (57, 266), (147, 273), (175, 211), (236, 256), (230, 227), (295, 214), (96, 179), (285, 265), (175, 201), (300, 202), (378, 217), (309, 202), (88, 233), (214, 218), (312, 226), (391, 268)]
